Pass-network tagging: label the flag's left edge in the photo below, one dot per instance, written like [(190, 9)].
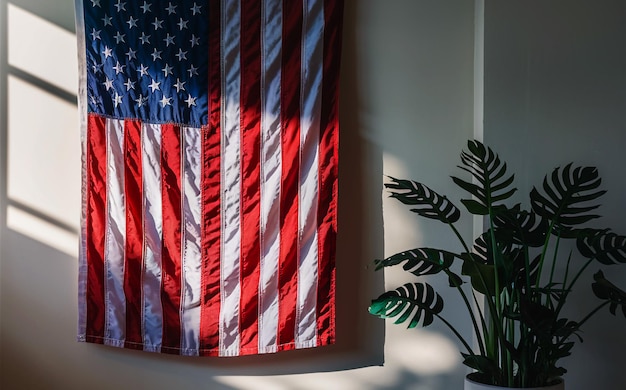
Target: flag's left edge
[(82, 118)]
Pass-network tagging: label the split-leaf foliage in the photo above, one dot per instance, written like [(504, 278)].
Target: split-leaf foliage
[(521, 333)]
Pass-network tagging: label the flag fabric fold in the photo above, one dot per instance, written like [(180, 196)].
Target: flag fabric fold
[(209, 136)]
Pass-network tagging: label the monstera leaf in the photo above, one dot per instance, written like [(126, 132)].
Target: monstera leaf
[(606, 247), (429, 203), (493, 185), (520, 227), (567, 195), (424, 261), (413, 302), (607, 291)]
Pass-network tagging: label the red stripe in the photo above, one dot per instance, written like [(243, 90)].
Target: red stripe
[(290, 181), (95, 227), (328, 168), (211, 232), (171, 261), (133, 253), (251, 174)]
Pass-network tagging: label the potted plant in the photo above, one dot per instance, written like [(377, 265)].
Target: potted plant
[(517, 295)]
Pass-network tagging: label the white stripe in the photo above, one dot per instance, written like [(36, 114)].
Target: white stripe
[(271, 170), (82, 109), (312, 66), (191, 258), (115, 236), (153, 233), (231, 180)]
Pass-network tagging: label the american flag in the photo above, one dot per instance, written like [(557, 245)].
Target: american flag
[(210, 145)]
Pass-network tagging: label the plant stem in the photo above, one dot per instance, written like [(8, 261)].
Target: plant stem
[(579, 273), (472, 316), (480, 340), (566, 290), (458, 335), (594, 311), (554, 258)]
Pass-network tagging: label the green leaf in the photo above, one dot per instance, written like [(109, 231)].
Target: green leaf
[(606, 247), (454, 280), (475, 207), (482, 364), (487, 169), (520, 227), (482, 276), (567, 193), (413, 302), (607, 291), (420, 261), (429, 203)]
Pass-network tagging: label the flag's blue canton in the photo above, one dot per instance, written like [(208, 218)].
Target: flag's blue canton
[(148, 60)]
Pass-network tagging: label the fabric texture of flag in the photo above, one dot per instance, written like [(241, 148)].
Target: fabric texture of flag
[(209, 198)]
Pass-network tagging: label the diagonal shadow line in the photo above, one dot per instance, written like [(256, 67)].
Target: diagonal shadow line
[(43, 84), (41, 215)]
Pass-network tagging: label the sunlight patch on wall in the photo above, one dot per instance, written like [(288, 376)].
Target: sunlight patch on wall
[(42, 49), (42, 231), (43, 150)]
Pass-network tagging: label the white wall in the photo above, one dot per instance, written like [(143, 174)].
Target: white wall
[(555, 83)]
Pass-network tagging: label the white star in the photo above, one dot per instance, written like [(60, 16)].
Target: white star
[(171, 9), (192, 71), (131, 54), (132, 22), (165, 101), (143, 70), (95, 34), (157, 24), (144, 38), (119, 68), (154, 86), (156, 54), (180, 86), (182, 55), (129, 85), (141, 100), (117, 100), (169, 40), (107, 20), (119, 37), (194, 40), (95, 3), (97, 68), (121, 6), (182, 24), (108, 84), (107, 52), (196, 8), (146, 7), (167, 70), (191, 101)]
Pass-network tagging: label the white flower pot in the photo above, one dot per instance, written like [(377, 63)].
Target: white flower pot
[(471, 385)]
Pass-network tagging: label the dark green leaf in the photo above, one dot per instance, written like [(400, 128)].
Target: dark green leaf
[(482, 364), (606, 247), (420, 261), (429, 203), (474, 207), (413, 302), (487, 169), (566, 195), (607, 291)]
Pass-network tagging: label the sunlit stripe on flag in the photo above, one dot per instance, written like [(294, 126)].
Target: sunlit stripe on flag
[(213, 236)]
